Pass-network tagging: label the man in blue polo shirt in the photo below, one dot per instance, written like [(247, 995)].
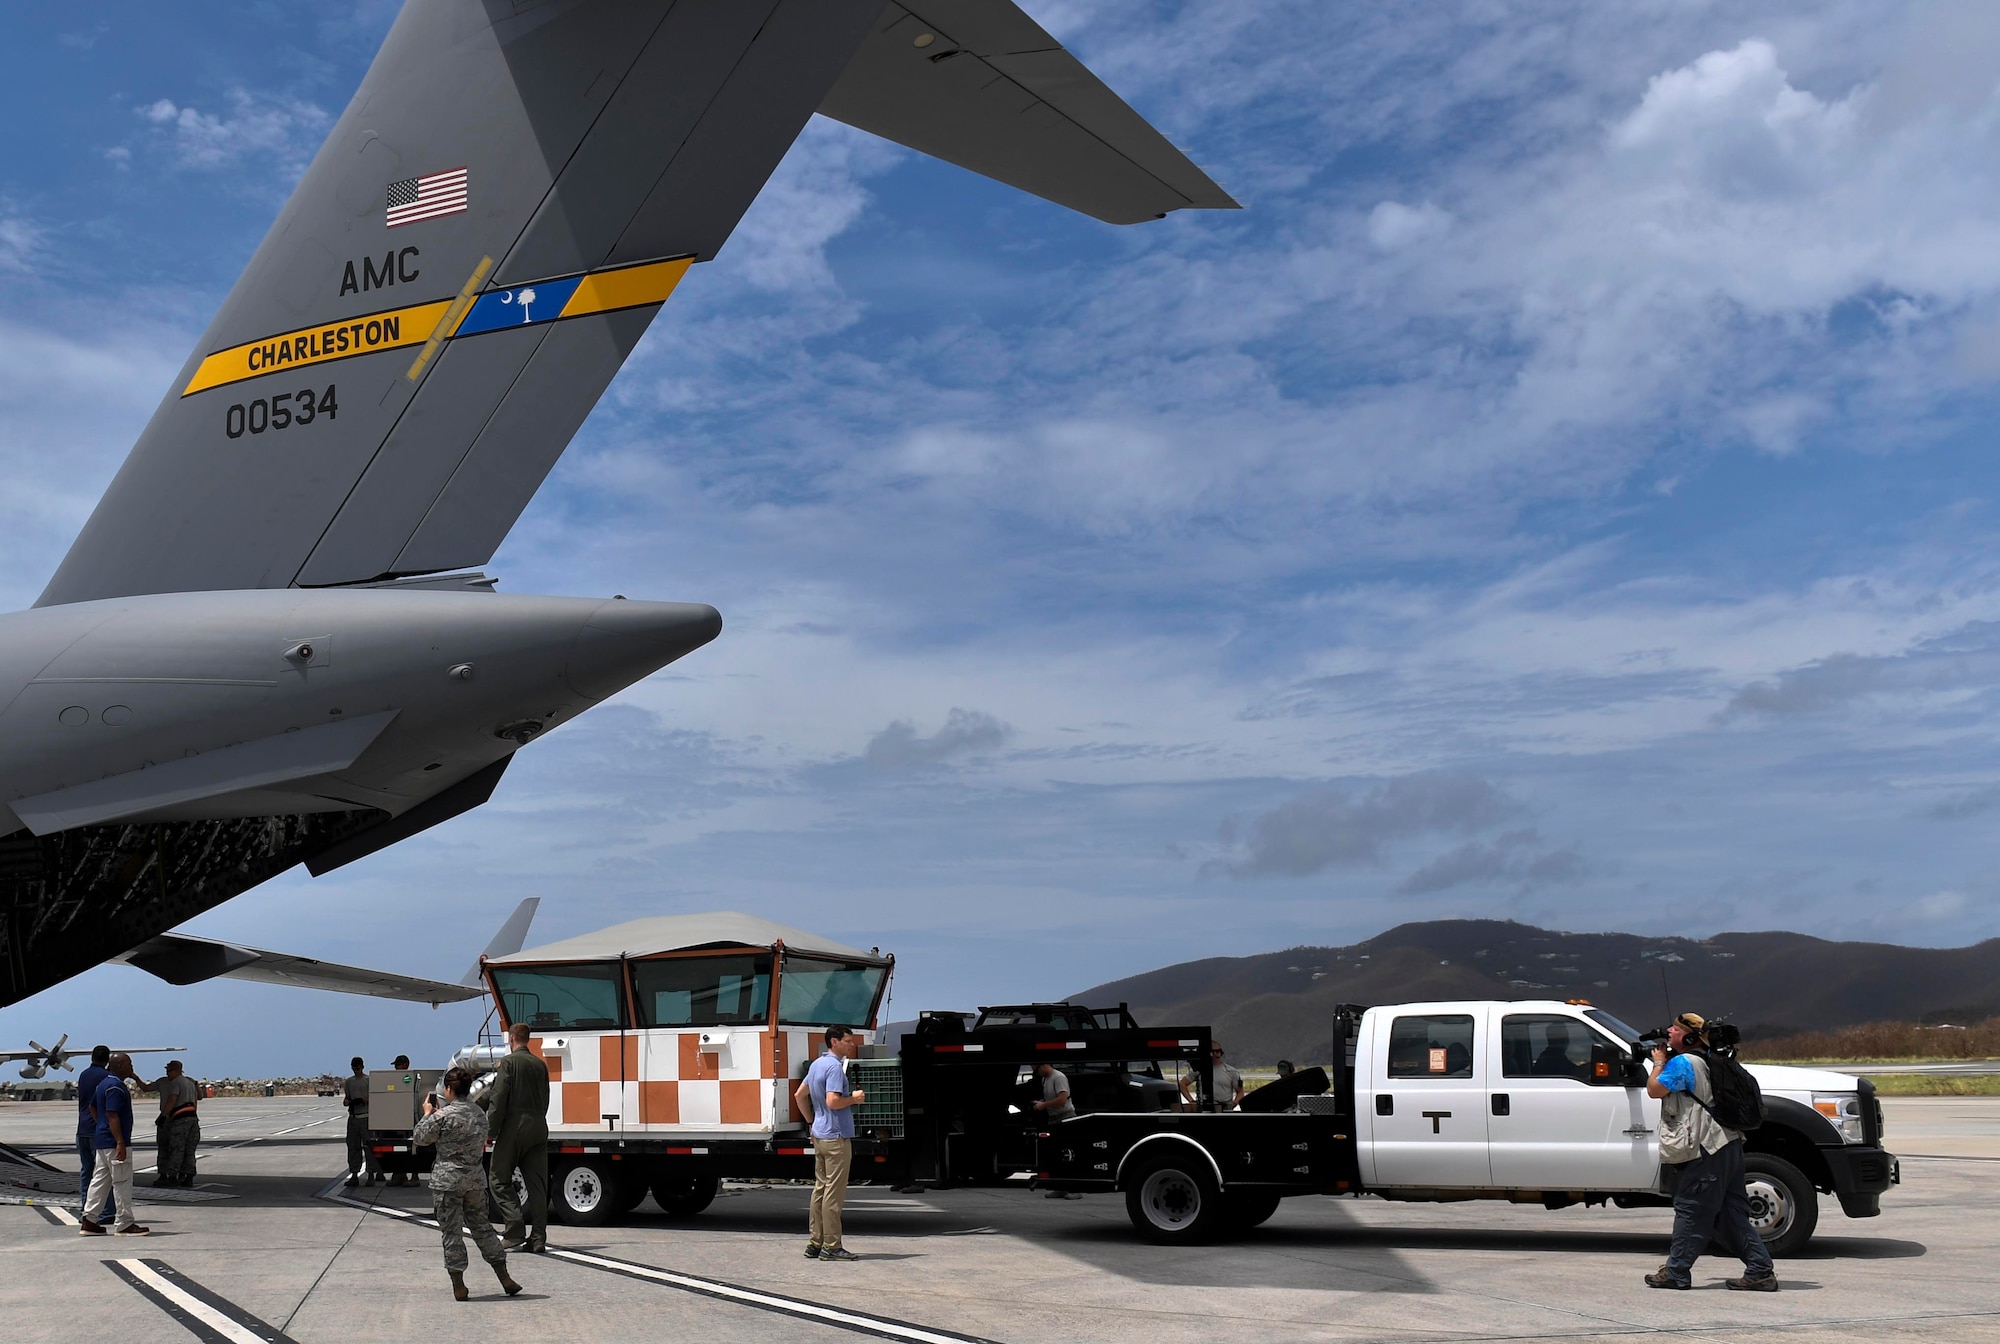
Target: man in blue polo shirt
[(86, 1122), (111, 1171), (824, 1095)]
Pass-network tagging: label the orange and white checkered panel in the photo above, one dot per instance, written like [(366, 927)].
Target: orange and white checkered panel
[(584, 1084), (665, 1079), (682, 1084)]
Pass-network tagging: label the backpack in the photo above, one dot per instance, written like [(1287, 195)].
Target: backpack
[(1739, 1102)]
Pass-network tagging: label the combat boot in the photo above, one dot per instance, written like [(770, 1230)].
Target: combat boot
[(515, 1237), (458, 1288), (500, 1272)]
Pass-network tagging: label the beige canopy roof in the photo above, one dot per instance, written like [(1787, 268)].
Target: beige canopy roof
[(679, 933)]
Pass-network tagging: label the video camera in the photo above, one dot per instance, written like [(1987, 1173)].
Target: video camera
[(1722, 1037)]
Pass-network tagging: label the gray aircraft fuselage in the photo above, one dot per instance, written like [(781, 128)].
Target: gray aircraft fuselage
[(160, 753), (116, 710)]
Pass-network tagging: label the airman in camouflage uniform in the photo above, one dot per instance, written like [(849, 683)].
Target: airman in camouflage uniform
[(458, 1181)]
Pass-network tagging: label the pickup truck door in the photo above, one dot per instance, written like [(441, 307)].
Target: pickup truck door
[(1549, 1128), (1427, 1112)]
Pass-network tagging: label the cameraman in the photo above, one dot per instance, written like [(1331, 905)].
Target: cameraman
[(1707, 1159)]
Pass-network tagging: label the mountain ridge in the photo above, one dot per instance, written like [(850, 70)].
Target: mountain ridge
[(1770, 983)]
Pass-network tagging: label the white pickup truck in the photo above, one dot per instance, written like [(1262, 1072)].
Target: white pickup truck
[(1530, 1102)]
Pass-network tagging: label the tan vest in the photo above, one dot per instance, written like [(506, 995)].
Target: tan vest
[(1687, 1130)]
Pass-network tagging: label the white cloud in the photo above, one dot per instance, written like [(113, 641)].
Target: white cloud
[(965, 732), (1942, 905), (1393, 226), (19, 241), (71, 402), (287, 130)]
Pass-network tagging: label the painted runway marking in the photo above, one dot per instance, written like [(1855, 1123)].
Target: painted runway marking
[(882, 1327), (859, 1322), (60, 1217), (209, 1318), (200, 1153)]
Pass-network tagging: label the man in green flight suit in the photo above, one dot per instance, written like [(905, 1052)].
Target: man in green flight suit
[(517, 1113)]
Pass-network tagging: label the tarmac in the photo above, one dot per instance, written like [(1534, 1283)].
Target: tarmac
[(272, 1247)]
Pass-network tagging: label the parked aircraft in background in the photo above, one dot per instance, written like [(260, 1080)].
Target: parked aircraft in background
[(38, 1060), (270, 645)]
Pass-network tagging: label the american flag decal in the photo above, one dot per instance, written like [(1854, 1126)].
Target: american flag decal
[(426, 197)]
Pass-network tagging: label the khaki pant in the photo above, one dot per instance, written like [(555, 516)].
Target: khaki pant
[(110, 1179), (460, 1210), (831, 1159)]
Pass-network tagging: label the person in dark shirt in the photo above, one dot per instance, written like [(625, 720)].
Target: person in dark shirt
[(399, 1064), (86, 1123), (112, 1166), (1560, 1057), (354, 1096)]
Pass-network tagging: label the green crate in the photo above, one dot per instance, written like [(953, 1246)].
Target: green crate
[(881, 1113)]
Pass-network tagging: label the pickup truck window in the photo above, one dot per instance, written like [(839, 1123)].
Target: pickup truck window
[(1612, 1025), (1544, 1045), (1438, 1046)]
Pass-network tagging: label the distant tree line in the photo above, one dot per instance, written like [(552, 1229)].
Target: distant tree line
[(1884, 1041)]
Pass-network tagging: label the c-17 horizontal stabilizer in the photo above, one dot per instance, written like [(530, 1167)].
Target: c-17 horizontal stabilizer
[(980, 84)]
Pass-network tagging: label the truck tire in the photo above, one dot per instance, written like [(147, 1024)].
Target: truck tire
[(1173, 1200), (584, 1193), (1245, 1209), (631, 1192), (683, 1195), (1784, 1207)]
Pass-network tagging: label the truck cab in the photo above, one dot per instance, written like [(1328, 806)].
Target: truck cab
[(1501, 1095), (1549, 1099)]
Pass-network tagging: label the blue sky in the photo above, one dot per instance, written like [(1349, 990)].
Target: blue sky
[(1564, 493)]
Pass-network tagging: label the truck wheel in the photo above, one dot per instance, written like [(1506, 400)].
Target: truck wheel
[(631, 1193), (1784, 1207), (1173, 1201), (585, 1193), (1245, 1209), (685, 1195)]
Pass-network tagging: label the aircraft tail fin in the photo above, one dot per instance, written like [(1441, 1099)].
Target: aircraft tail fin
[(508, 941), (980, 84), (492, 224)]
